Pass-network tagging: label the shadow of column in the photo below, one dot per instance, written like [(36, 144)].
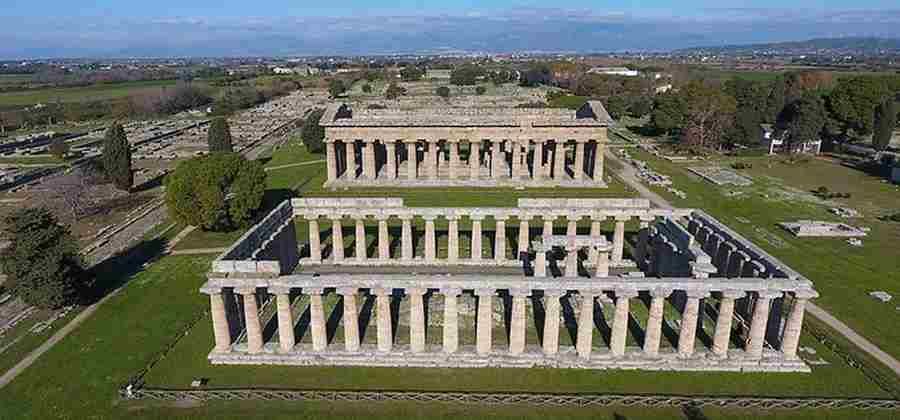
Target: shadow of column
[(396, 298), (539, 314), (668, 332), (569, 319), (602, 324), (334, 319), (506, 298), (365, 315), (302, 326)]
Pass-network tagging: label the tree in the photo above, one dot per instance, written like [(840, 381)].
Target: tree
[(393, 91), (853, 102), (885, 121), (616, 106), (709, 113), (805, 118), (58, 148), (640, 107), (443, 92), (668, 113), (219, 136), (775, 101), (336, 87), (117, 157), (41, 262), (480, 90), (312, 133), (367, 88), (217, 192), (747, 129), (465, 75), (411, 74)]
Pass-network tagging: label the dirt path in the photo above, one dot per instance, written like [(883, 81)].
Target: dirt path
[(312, 162), (629, 176)]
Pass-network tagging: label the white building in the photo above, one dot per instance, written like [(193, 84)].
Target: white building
[(774, 142), (614, 71)]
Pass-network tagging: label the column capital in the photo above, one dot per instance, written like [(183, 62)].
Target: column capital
[(335, 217), (486, 292), (359, 217), (391, 142), (476, 217), (451, 291), (347, 291), (500, 217), (696, 293), (429, 217), (549, 217), (769, 294), (660, 292), (733, 294), (597, 217), (589, 293), (520, 292), (647, 218), (313, 291), (621, 218), (382, 217), (452, 217), (539, 141), (311, 216), (415, 291), (409, 141), (525, 217), (246, 290), (626, 293), (382, 291), (554, 293), (805, 294), (582, 140), (211, 290), (406, 217), (280, 290)]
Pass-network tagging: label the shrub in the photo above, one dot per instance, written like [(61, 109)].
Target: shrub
[(117, 158), (393, 91), (741, 165), (367, 88), (58, 148), (336, 87), (312, 133), (219, 136), (217, 192), (42, 261), (480, 90), (443, 92)]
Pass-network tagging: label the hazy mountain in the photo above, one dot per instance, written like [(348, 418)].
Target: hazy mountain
[(850, 45)]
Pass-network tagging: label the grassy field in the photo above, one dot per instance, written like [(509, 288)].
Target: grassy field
[(79, 94), (844, 275)]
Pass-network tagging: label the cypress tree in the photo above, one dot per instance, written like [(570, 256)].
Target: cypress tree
[(42, 262), (219, 136), (117, 157), (885, 121)]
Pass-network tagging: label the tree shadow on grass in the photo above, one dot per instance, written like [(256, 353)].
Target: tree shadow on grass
[(116, 270)]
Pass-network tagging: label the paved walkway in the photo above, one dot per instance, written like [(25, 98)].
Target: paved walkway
[(629, 176), (312, 162)]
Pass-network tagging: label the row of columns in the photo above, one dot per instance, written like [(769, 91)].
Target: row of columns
[(587, 162), (406, 239), (550, 340)]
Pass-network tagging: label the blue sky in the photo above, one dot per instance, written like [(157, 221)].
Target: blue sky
[(128, 28)]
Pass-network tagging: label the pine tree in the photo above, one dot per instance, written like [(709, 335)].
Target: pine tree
[(219, 136), (42, 262), (117, 158), (885, 121)]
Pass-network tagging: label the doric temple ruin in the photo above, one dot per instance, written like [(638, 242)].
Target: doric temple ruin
[(574, 283), (465, 147)]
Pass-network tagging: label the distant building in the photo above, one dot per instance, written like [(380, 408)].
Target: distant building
[(774, 141), (663, 88), (301, 71), (614, 71)]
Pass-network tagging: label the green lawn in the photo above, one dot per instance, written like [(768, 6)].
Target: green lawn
[(31, 160), (844, 275), (78, 94)]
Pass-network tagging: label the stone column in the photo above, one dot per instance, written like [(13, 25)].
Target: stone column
[(538, 166), (286, 339), (654, 321), (406, 239), (315, 245), (601, 265), (360, 239), (384, 241), (559, 169), (595, 234), (620, 322), (759, 322), (551, 321), (430, 246), (688, 334), (517, 322), (412, 160), (571, 260), (722, 336), (540, 262), (792, 328), (619, 240), (476, 237), (331, 161), (524, 235), (548, 225), (451, 320), (317, 319), (350, 319), (221, 328), (474, 159), (485, 320), (383, 323), (516, 159), (391, 151), (416, 320), (432, 165), (251, 320), (454, 159), (350, 149), (337, 239), (579, 159), (598, 162), (452, 239), (369, 159), (584, 341), (500, 239), (572, 225), (496, 158)]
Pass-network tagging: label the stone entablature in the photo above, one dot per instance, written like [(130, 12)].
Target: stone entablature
[(742, 310), (465, 147)]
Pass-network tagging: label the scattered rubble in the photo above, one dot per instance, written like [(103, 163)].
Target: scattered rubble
[(818, 228), (881, 295)]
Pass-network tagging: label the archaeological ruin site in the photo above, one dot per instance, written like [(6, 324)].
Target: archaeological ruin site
[(487, 147), (561, 283)]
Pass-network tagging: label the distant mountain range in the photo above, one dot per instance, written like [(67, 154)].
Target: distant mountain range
[(853, 46)]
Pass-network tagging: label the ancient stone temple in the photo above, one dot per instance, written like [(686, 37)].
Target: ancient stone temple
[(465, 147), (574, 283)]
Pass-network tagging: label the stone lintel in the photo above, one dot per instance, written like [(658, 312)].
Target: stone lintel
[(280, 290), (313, 290), (520, 292), (733, 294), (415, 291), (626, 293), (806, 294), (208, 289), (769, 294), (379, 291), (697, 293), (348, 291), (660, 292), (554, 293), (486, 292), (451, 291), (247, 290)]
